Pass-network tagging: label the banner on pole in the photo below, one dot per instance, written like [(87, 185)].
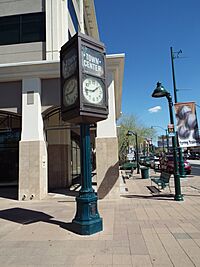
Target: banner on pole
[(187, 126)]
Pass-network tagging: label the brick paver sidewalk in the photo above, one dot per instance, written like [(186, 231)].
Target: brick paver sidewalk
[(140, 229)]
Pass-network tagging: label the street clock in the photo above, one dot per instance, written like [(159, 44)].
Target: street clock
[(84, 96)]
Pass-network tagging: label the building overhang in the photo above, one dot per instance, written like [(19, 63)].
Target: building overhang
[(39, 69), (51, 69)]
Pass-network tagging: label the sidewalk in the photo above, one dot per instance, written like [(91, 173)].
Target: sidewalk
[(140, 229)]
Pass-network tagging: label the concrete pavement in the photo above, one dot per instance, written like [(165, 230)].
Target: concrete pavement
[(140, 229)]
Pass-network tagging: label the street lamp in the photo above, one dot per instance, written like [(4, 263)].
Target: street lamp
[(161, 92), (166, 133), (181, 161), (137, 155)]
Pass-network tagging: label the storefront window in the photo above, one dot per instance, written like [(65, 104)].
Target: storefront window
[(24, 28), (10, 132), (76, 169)]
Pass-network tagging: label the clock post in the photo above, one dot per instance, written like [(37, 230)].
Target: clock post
[(87, 220), (84, 101)]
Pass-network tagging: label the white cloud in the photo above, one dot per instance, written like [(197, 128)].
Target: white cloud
[(154, 109)]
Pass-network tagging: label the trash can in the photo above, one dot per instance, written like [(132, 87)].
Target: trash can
[(144, 172)]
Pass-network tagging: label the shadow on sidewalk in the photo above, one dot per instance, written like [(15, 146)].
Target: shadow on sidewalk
[(26, 217), (169, 197), (74, 189)]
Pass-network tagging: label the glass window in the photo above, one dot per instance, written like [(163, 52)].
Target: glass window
[(22, 28), (33, 27), (9, 29), (75, 157), (10, 132)]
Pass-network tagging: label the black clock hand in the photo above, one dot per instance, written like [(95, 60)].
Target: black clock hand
[(68, 93), (91, 90), (96, 88), (71, 91)]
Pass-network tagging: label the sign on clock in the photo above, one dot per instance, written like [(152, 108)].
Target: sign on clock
[(92, 61)]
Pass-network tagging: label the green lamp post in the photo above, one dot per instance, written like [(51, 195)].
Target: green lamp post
[(161, 92), (181, 161), (137, 150)]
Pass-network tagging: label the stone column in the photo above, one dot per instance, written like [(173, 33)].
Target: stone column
[(56, 27), (107, 167), (107, 161), (32, 147)]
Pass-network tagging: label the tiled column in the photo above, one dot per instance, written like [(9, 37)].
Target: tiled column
[(59, 159), (32, 147), (107, 167)]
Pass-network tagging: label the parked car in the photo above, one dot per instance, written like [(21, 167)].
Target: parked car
[(193, 156), (167, 164), (147, 161), (129, 166), (155, 164), (187, 167), (142, 159)]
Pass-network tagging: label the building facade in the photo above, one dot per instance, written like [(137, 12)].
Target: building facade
[(39, 152)]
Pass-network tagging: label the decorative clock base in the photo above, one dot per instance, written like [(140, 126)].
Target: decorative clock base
[(87, 220)]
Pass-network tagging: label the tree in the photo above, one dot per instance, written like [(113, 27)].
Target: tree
[(130, 123)]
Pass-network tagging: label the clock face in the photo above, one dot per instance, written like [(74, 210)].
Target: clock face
[(70, 92), (92, 90), (69, 63)]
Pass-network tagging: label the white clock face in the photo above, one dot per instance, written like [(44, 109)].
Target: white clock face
[(70, 92), (92, 90)]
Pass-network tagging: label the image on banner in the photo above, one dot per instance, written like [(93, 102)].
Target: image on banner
[(187, 125)]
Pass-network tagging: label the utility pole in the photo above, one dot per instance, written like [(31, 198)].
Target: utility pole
[(181, 161)]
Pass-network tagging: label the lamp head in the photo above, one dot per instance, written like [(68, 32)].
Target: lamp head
[(160, 91), (129, 133)]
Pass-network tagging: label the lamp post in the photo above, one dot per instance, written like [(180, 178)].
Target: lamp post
[(166, 133), (181, 161), (137, 155), (147, 145), (161, 92)]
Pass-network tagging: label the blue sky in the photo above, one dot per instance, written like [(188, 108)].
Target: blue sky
[(145, 30)]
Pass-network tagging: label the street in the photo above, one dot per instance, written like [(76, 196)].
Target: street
[(195, 167)]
